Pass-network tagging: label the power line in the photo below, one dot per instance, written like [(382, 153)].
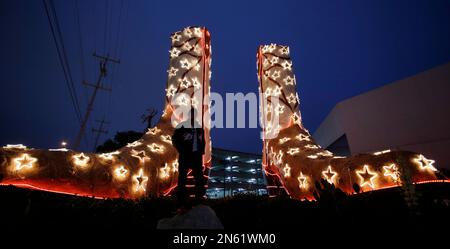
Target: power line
[(62, 56), (97, 86), (99, 131)]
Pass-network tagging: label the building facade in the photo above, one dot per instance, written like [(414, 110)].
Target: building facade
[(235, 173), (411, 114)]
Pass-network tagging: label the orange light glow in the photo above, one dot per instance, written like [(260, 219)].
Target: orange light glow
[(24, 162), (330, 175), (425, 164), (391, 171), (120, 172), (81, 160), (140, 180), (367, 177)]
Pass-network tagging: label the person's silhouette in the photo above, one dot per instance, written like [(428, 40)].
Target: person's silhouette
[(189, 140)]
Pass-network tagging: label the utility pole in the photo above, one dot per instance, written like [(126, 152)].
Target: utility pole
[(97, 86), (99, 131)]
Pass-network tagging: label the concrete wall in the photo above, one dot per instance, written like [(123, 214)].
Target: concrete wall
[(410, 114)]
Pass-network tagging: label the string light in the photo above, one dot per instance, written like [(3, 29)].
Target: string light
[(284, 140), (140, 180), (381, 152), (284, 50), (330, 175), (120, 172), (302, 181), (172, 72), (289, 81), (81, 160), (108, 156), (156, 148), (175, 38), (174, 52), (292, 99), (287, 65), (25, 161), (185, 64), (175, 165), (366, 176), (287, 170), (293, 151), (166, 138), (154, 130), (164, 172), (391, 171), (170, 92), (425, 164), (15, 146), (302, 137), (134, 144), (140, 155), (276, 74), (311, 146)]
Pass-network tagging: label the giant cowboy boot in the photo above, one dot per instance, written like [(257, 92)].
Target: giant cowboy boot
[(147, 166), (291, 156)]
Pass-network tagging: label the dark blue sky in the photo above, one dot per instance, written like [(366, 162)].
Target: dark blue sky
[(339, 48)]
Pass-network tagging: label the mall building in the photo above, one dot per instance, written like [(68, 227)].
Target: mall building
[(411, 114), (235, 173)]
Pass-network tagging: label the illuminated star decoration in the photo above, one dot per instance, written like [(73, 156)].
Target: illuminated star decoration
[(329, 174), (287, 65), (153, 130), (120, 172), (185, 64), (156, 148), (171, 91), (287, 170), (164, 172), (391, 171), (302, 182), (293, 151), (81, 160), (140, 180), (172, 72), (166, 138), (174, 52), (140, 155), (175, 166), (134, 144), (292, 99), (296, 119), (284, 140), (289, 81), (108, 156), (425, 164), (366, 176), (302, 137), (25, 161)]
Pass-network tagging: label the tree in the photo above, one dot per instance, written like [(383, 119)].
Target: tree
[(148, 116)]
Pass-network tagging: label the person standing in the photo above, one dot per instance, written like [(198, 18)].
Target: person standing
[(189, 140)]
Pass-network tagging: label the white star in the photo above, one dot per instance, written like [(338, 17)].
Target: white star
[(185, 64), (172, 72), (292, 99), (187, 32), (287, 65), (174, 52), (187, 46), (184, 82), (276, 75), (289, 80), (175, 37), (170, 92), (284, 50)]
